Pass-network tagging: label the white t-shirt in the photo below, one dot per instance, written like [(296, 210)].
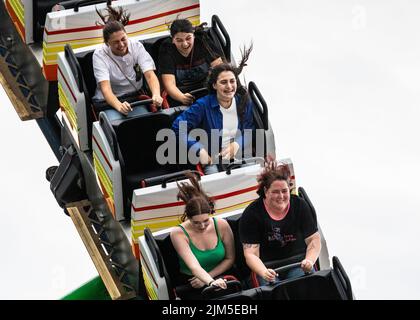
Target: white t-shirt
[(230, 123), (105, 68)]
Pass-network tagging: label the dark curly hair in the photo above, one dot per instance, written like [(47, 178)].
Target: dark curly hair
[(273, 171), (241, 89), (196, 200), (113, 21)]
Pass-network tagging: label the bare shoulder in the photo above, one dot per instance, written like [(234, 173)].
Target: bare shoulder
[(222, 222), (223, 225), (176, 232)]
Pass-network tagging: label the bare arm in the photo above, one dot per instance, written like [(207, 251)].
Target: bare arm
[(111, 99), (169, 83), (154, 86), (313, 249), (181, 245), (227, 238), (216, 62), (252, 257)]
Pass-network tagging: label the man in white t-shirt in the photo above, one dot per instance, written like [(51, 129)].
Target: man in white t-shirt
[(118, 66)]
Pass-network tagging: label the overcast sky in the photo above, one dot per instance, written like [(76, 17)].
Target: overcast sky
[(341, 80)]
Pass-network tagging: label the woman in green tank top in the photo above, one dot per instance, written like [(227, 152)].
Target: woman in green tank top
[(205, 245)]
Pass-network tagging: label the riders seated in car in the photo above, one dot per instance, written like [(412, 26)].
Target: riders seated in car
[(276, 226), (204, 245), (185, 61), (227, 109), (119, 65)]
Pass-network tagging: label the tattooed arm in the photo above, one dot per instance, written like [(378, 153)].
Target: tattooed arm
[(252, 256), (313, 249)]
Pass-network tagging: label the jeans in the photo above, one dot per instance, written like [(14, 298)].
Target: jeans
[(211, 169)]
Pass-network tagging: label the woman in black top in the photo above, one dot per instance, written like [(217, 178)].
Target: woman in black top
[(185, 60), (278, 225)]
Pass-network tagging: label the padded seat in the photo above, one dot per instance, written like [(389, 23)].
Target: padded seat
[(136, 137), (240, 262), (85, 61), (322, 285)]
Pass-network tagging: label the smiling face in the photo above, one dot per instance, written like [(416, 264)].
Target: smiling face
[(225, 86), (277, 196), (184, 42), (118, 43), (200, 222)]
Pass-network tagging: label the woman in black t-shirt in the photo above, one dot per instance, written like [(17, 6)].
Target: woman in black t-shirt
[(185, 60), (277, 226)]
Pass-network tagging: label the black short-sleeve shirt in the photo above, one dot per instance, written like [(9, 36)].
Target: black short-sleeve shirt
[(190, 72), (277, 239)]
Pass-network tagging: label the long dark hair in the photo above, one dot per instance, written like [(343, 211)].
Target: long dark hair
[(196, 200), (241, 89), (113, 20), (273, 171), (185, 25)]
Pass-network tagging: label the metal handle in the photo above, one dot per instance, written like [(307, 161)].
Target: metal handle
[(78, 3), (231, 284), (342, 275), (305, 197), (109, 133), (240, 162), (259, 102), (287, 268), (177, 175), (74, 66), (141, 103), (198, 91), (222, 35), (154, 249)]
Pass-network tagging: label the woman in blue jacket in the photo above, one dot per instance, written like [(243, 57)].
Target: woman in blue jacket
[(225, 117)]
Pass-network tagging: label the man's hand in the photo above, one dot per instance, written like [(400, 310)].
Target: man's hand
[(124, 107), (157, 100)]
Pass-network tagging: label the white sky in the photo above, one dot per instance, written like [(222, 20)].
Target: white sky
[(341, 80)]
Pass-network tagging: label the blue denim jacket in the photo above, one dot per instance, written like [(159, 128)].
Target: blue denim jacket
[(205, 114)]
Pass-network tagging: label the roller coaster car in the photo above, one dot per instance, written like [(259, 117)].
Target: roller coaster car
[(161, 270)]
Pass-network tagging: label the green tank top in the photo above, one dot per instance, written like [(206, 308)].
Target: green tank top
[(208, 259)]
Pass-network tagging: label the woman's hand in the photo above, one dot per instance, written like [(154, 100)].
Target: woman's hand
[(205, 159), (196, 283), (157, 100), (123, 107), (221, 283), (187, 99), (230, 151), (269, 275), (307, 265)]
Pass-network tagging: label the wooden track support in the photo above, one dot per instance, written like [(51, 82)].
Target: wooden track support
[(80, 214)]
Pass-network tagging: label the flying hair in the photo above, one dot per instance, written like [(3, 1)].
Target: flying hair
[(272, 171), (245, 53), (113, 14), (241, 90), (196, 200)]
